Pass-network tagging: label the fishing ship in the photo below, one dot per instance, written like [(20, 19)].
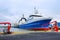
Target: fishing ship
[(34, 22)]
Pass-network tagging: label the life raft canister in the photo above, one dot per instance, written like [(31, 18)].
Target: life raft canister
[(55, 26)]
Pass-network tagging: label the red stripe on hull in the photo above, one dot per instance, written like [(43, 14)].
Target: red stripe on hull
[(41, 29)]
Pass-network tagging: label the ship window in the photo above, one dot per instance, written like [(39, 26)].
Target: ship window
[(35, 16)]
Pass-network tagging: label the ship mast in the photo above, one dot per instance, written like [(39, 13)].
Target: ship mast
[(22, 18), (35, 10)]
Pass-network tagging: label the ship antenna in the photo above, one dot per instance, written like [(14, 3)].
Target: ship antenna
[(35, 10), (23, 16)]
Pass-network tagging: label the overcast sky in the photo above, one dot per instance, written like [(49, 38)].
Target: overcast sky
[(12, 10)]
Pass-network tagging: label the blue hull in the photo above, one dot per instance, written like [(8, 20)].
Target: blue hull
[(36, 24)]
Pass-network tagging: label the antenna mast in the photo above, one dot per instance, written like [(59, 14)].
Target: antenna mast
[(35, 10), (23, 16)]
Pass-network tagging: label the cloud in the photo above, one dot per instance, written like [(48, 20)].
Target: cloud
[(12, 10)]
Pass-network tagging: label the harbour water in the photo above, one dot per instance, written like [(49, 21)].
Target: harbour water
[(16, 26)]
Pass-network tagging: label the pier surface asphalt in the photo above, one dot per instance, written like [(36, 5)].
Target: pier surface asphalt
[(32, 36), (20, 34)]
